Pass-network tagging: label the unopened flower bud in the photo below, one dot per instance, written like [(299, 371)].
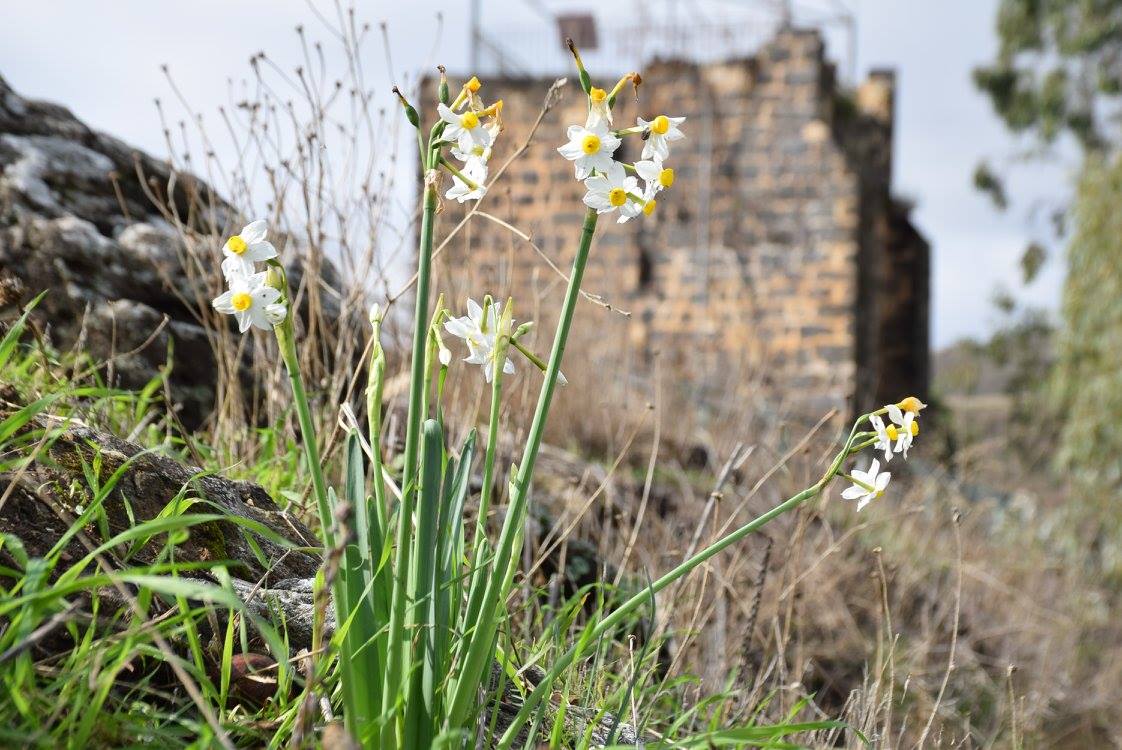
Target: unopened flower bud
[(410, 112), (442, 87), (585, 79), (912, 404)]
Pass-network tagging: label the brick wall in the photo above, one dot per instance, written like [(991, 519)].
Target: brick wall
[(778, 264)]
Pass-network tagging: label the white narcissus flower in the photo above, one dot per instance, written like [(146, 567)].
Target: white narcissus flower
[(884, 439), (246, 248), (590, 148), (252, 302), (598, 109), (656, 176), (904, 428), (465, 130), (611, 190), (476, 171), (867, 485), (479, 331), (477, 155), (633, 208), (662, 131)]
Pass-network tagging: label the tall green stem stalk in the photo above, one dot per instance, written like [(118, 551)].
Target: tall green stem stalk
[(286, 339), (397, 661)]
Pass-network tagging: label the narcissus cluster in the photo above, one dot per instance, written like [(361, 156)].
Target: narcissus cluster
[(471, 128), (616, 186), (249, 298), (894, 438)]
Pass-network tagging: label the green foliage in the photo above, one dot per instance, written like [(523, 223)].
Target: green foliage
[(1057, 69), (105, 679), (1032, 260), (989, 183), (1088, 378)]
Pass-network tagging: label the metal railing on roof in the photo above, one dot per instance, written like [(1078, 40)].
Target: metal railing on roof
[(541, 51)]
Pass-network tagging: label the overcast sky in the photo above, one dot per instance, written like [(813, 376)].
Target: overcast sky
[(102, 60)]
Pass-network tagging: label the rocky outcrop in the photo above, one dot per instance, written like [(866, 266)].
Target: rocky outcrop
[(86, 217), (45, 499)]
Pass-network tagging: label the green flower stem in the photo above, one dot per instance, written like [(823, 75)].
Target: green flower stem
[(858, 482), (480, 649), (454, 170), (862, 446), (603, 627), (492, 440), (628, 131), (286, 338), (399, 645)]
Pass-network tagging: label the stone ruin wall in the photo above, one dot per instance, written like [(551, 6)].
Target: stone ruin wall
[(779, 269)]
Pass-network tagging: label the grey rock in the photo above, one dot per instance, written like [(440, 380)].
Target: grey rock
[(76, 220)]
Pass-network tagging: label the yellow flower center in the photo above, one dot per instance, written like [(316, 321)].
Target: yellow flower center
[(241, 301), (591, 144), (473, 85), (597, 95), (660, 125), (236, 244), (649, 207), (911, 403), (469, 120), (894, 433), (617, 197), (666, 177)]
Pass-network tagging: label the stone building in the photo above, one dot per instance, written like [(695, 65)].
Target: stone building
[(779, 263)]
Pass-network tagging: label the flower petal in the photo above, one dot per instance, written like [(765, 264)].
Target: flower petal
[(222, 303), (475, 312), (265, 295), (259, 251), (460, 327), (253, 232), (244, 320), (447, 114)]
